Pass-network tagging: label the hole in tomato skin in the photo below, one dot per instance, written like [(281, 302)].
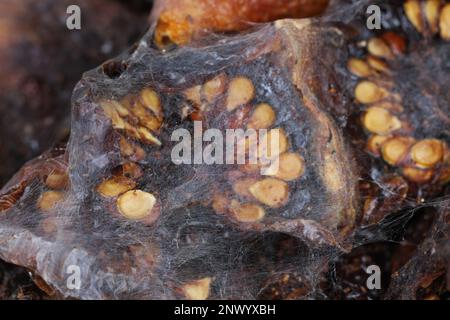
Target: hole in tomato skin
[(113, 69)]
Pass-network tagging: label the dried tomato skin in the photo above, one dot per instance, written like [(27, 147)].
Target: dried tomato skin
[(156, 196)]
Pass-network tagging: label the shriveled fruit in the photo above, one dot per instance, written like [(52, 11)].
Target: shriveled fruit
[(378, 64)]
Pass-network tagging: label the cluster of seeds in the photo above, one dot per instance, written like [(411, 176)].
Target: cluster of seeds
[(131, 203), (267, 187), (429, 17), (257, 185), (139, 118), (384, 117), (56, 182)]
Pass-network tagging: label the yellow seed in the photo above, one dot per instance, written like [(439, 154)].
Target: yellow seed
[(262, 118), (444, 22), (414, 14), (427, 153), (380, 121), (110, 110), (152, 123), (49, 199), (148, 137), (131, 130), (417, 175), (115, 186), (368, 92), (378, 64), (136, 204), (214, 88), (147, 119), (395, 149), (432, 14), (121, 110), (198, 289), (151, 101), (116, 121), (265, 150), (240, 92), (57, 180), (375, 143), (248, 212), (290, 166), (379, 48), (271, 192), (359, 67)]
